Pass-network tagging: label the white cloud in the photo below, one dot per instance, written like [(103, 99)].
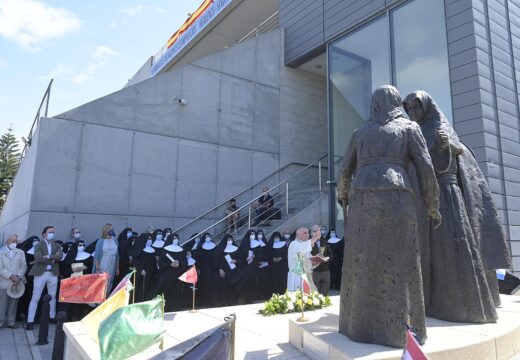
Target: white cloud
[(59, 71), (104, 52), (3, 64), (140, 8), (30, 22)]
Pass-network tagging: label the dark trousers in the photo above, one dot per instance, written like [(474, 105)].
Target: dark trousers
[(322, 281)]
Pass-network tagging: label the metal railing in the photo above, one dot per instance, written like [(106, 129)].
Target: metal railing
[(45, 100), (303, 187), (268, 24)]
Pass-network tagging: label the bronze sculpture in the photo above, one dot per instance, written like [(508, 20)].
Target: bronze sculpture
[(381, 283)]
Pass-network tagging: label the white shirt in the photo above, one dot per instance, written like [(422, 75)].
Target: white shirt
[(49, 249)]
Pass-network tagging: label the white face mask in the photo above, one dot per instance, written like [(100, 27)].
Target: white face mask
[(252, 237), (287, 236), (12, 246), (166, 235), (197, 239), (35, 243), (276, 239), (208, 238), (323, 232), (148, 243), (77, 235), (159, 237), (260, 236), (230, 242), (129, 235), (175, 242), (332, 234), (81, 248)]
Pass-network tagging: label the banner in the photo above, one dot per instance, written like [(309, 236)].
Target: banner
[(84, 289)]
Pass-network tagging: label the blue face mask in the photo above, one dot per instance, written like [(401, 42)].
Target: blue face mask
[(50, 236), (128, 234)]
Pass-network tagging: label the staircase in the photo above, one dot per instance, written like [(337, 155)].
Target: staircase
[(297, 187)]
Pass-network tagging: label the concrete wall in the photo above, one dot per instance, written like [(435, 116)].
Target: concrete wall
[(137, 157)]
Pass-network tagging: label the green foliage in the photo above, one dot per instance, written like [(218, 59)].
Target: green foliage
[(9, 161), (292, 302)]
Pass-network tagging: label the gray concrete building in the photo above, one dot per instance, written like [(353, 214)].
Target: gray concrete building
[(259, 88)]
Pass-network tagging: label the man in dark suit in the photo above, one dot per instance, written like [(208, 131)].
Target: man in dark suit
[(45, 270)]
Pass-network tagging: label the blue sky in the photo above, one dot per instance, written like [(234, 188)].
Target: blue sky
[(90, 48)]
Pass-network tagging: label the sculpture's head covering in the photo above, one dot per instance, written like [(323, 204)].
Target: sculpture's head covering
[(386, 104)]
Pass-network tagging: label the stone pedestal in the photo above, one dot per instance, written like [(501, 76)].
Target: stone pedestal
[(319, 338)]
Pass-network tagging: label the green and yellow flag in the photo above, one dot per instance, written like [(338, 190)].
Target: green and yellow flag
[(92, 321), (131, 329)]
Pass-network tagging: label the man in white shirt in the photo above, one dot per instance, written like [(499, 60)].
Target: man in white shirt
[(300, 246)]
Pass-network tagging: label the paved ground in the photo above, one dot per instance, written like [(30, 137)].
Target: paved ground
[(21, 344)]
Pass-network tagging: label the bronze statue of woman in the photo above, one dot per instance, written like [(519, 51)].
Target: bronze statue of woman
[(470, 240)]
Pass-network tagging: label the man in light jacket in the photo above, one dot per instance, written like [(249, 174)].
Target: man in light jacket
[(12, 272), (45, 270)]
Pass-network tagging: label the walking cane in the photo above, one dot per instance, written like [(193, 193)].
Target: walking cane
[(144, 278)]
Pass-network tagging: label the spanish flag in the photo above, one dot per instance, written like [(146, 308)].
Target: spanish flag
[(92, 321), (84, 289), (200, 10)]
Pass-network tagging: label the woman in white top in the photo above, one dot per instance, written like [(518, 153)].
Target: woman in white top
[(106, 256)]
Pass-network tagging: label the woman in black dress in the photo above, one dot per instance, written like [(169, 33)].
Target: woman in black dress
[(264, 273), (229, 261), (337, 245), (252, 252), (190, 247), (143, 259), (172, 264), (277, 257), (206, 286)]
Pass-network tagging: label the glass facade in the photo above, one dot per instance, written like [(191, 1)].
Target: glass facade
[(405, 47)]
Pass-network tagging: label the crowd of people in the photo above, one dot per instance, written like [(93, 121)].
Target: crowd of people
[(230, 271)]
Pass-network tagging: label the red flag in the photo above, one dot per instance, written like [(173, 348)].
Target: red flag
[(306, 287), (189, 276), (412, 350), (84, 289)]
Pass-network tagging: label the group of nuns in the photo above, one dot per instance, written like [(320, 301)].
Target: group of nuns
[(228, 273)]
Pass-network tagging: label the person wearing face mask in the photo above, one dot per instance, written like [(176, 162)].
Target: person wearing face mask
[(337, 246), (172, 264), (287, 237), (106, 256), (45, 270), (12, 274), (78, 262), (207, 267), (253, 253), (190, 248), (321, 273), (143, 259), (264, 273), (229, 261), (158, 238), (23, 303), (124, 246), (277, 256)]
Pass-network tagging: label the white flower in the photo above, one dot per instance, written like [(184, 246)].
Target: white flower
[(316, 302), (290, 306), (305, 298)]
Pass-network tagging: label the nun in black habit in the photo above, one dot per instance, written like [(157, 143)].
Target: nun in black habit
[(172, 264), (190, 248), (264, 273), (143, 259), (253, 252), (206, 286), (229, 261), (277, 257), (77, 255), (337, 245), (124, 247)]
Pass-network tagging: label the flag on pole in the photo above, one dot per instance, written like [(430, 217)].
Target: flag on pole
[(123, 283), (412, 349), (299, 269), (131, 329), (84, 289), (189, 276), (91, 321)]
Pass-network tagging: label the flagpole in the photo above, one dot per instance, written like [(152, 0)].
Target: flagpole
[(302, 318), (144, 278), (193, 306), (162, 337), (133, 291)]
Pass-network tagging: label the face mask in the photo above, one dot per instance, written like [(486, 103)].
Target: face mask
[(175, 241), (332, 234), (188, 255), (129, 234), (252, 237), (159, 237), (208, 238), (148, 243), (230, 242), (197, 239), (287, 236), (167, 234), (50, 236), (260, 236), (77, 235), (81, 248), (12, 246), (323, 232), (276, 239), (35, 243), (111, 233)]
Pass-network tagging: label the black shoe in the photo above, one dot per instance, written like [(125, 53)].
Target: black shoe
[(29, 326), (52, 321)]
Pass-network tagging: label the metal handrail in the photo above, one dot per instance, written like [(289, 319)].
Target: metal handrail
[(45, 98), (243, 191), (248, 204), (268, 24)]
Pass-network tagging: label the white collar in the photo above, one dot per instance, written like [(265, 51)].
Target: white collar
[(208, 245), (191, 261), (149, 250), (230, 248), (173, 248), (334, 240), (255, 243), (278, 244), (31, 251), (195, 244), (158, 244), (82, 255)]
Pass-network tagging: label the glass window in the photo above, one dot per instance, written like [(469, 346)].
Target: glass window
[(420, 51)]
